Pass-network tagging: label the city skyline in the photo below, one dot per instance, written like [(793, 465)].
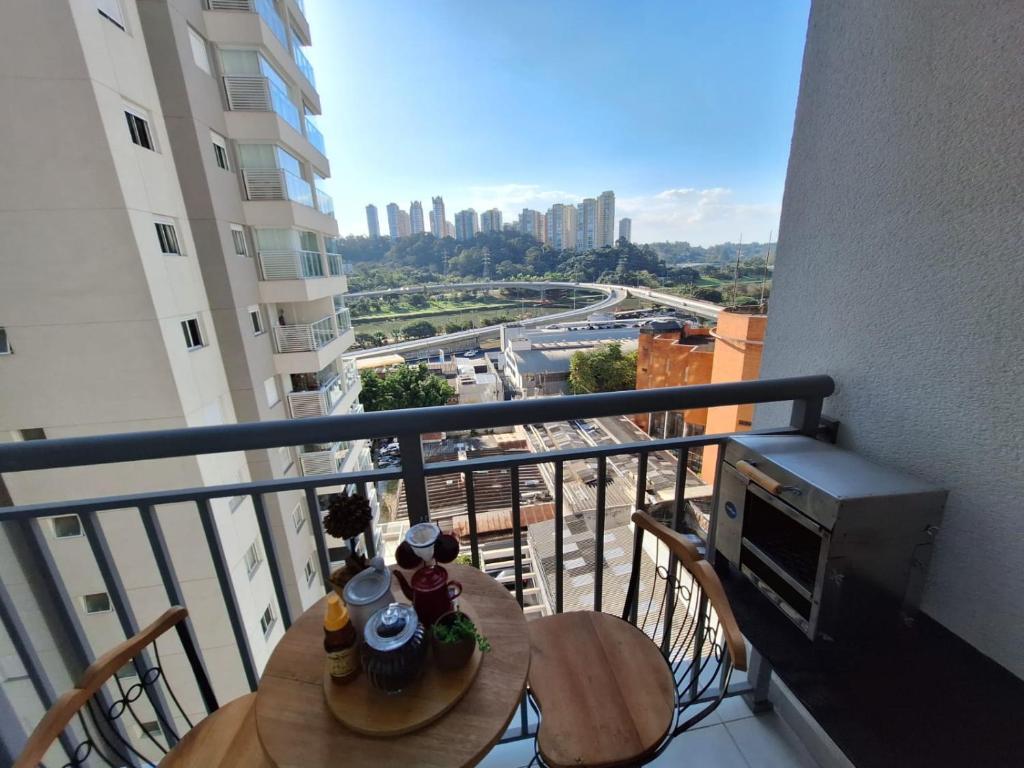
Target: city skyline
[(685, 165)]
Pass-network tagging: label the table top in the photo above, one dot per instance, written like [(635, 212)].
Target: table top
[(297, 729)]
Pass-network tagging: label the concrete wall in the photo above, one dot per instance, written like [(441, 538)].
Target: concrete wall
[(899, 273)]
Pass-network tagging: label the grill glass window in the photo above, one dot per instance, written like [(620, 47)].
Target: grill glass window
[(139, 130), (168, 238), (257, 322), (267, 619), (67, 526), (5, 345), (310, 571), (97, 602), (238, 236), (193, 337), (252, 558)]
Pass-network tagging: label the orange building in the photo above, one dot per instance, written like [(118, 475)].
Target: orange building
[(670, 356)]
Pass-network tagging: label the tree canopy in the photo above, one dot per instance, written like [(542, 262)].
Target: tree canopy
[(404, 387), (605, 369)]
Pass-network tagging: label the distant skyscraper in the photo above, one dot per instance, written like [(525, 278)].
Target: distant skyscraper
[(437, 219), (449, 229), (404, 224), (372, 222), (605, 231), (560, 226), (586, 224), (626, 230), (416, 216), (490, 221), (532, 223), (393, 229), (467, 224)]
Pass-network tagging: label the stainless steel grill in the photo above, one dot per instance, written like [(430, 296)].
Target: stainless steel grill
[(816, 528)]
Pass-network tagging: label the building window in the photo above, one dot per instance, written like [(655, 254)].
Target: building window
[(5, 344), (127, 671), (152, 727), (256, 318), (111, 10), (310, 571), (193, 335), (267, 620), (138, 127), (168, 237), (34, 433), (298, 517), (200, 51), (238, 237), (97, 602), (253, 558), (337, 554), (220, 151), (67, 526), (272, 393)]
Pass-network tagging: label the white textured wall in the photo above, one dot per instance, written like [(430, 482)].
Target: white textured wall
[(901, 273)]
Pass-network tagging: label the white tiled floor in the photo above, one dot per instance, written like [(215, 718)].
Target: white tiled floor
[(730, 737)]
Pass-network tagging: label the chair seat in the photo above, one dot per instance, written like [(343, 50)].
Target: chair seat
[(605, 692), (225, 738)]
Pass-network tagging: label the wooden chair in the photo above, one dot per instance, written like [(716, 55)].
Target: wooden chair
[(89, 719), (614, 691)]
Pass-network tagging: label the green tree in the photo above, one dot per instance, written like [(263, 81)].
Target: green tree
[(419, 330), (404, 387), (606, 369), (418, 301)]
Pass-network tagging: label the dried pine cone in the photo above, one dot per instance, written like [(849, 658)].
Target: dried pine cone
[(347, 516)]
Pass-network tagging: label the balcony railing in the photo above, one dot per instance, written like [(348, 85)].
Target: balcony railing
[(336, 265), (290, 265), (266, 10), (324, 202), (315, 137), (305, 338), (322, 459), (276, 184), (343, 317), (303, 63), (255, 93), (321, 401), (22, 524)]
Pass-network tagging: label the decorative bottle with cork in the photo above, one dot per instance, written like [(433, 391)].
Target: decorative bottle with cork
[(340, 642)]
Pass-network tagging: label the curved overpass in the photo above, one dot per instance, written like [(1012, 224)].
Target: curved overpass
[(614, 295)]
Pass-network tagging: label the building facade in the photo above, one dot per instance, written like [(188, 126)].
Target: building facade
[(532, 223), (467, 224), (586, 224), (399, 223), (560, 226), (372, 222), (626, 230), (195, 280), (416, 217), (437, 217), (490, 221), (605, 222)]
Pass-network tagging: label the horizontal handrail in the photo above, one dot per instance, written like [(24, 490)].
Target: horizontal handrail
[(135, 446)]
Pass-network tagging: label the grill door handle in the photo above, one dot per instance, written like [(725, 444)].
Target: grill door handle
[(755, 475)]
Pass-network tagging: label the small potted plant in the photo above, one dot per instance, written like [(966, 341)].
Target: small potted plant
[(453, 637), (348, 516)]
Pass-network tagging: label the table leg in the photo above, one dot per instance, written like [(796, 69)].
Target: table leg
[(759, 676)]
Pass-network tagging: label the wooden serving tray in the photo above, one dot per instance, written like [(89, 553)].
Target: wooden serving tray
[(367, 710)]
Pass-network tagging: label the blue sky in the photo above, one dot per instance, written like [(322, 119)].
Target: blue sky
[(683, 107)]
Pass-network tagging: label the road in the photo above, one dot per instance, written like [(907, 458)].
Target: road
[(614, 295)]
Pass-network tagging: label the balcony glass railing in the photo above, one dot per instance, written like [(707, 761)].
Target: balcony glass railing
[(267, 12), (290, 265), (255, 93), (315, 137), (303, 63), (305, 337), (335, 264), (276, 184), (284, 106), (324, 202), (318, 402), (344, 319)]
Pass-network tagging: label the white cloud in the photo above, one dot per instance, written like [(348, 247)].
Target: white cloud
[(699, 216), (512, 198)]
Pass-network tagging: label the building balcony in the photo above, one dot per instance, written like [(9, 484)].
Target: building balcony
[(324, 203), (322, 458), (296, 276), (255, 93), (310, 347), (261, 127), (336, 395), (315, 137), (303, 63)]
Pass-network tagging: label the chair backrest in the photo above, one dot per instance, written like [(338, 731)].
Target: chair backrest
[(97, 709), (680, 603)]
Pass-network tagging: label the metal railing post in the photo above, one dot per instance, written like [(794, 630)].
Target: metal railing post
[(412, 474), (805, 415)]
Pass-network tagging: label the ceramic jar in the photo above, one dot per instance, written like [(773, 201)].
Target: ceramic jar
[(368, 592), (394, 648)]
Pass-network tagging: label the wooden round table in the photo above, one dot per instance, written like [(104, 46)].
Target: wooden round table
[(296, 728)]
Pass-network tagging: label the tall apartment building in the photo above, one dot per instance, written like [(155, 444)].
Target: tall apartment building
[(416, 217), (449, 229), (490, 221), (394, 221), (437, 216), (467, 224), (194, 279), (372, 221), (560, 226), (532, 223), (626, 230), (586, 224), (605, 224), (404, 223)]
